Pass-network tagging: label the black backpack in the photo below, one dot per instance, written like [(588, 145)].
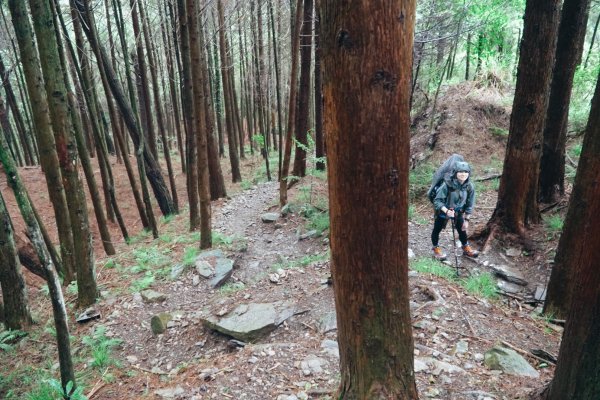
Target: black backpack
[(444, 170)]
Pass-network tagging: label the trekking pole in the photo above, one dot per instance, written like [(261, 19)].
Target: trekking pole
[(454, 246)]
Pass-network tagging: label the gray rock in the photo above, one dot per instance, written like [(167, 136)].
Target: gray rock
[(309, 234), (510, 274), (249, 322), (170, 393), (512, 252), (461, 347), (411, 254), (327, 322), (177, 270), (420, 365), (223, 271), (312, 365), (540, 293), (331, 347), (215, 266), (204, 269), (436, 366), (269, 217), (509, 287), (152, 296), (509, 361)]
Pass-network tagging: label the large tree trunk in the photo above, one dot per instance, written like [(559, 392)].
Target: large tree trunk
[(303, 91), (577, 374), (569, 47), (517, 197), (366, 82)]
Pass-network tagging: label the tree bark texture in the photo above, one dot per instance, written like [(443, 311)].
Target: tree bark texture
[(367, 57), (236, 175), (43, 129), (196, 49), (66, 146), (517, 196), (577, 375), (152, 168), (303, 91), (67, 373), (12, 282), (569, 47), (287, 153)]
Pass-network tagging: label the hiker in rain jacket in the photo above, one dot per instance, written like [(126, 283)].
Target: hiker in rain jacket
[(454, 199)]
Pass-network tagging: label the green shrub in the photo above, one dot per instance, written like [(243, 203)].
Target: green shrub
[(482, 285), (419, 180), (431, 266), (554, 223)]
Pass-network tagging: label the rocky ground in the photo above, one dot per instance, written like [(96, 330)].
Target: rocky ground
[(165, 303)]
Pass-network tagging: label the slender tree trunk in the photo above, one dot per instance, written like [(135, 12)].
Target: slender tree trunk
[(187, 99), (468, 57), (173, 92), (43, 128), (217, 96), (277, 89), (152, 168), (592, 41), (229, 108), (259, 76), (217, 182), (319, 139), (287, 155), (12, 282), (366, 79), (196, 49), (56, 85), (67, 372), (302, 122), (569, 47), (158, 108)]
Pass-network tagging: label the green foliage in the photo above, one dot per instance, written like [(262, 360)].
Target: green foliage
[(584, 83), (431, 266), (149, 257), (51, 389), (142, 283), (101, 347), (189, 255), (143, 235), (554, 225), (246, 184), (10, 337), (259, 140), (411, 212), (168, 218), (231, 287), (482, 285), (575, 150), (419, 180), (499, 132), (221, 239)]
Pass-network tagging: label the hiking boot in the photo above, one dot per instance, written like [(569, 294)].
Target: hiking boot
[(438, 254), (469, 251)]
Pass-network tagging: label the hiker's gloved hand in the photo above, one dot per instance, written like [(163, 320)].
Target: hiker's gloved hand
[(465, 225), (450, 213)]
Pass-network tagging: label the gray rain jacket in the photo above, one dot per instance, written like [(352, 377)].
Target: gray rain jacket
[(453, 194)]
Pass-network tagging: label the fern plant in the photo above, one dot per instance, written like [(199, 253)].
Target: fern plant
[(9, 337)]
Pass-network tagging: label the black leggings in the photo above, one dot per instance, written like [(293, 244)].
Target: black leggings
[(440, 223)]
